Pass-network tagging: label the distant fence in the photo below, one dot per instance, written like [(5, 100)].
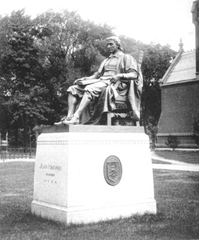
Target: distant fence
[(17, 153)]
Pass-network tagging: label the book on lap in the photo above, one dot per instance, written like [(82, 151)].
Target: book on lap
[(84, 82)]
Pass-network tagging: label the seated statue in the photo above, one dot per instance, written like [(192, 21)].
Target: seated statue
[(117, 74)]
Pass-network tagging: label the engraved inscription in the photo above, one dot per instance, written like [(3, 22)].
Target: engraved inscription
[(50, 172), (112, 170), (50, 167)]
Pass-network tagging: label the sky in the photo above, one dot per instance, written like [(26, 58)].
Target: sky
[(158, 21)]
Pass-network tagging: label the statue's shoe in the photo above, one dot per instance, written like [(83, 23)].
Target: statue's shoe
[(74, 120), (65, 118)]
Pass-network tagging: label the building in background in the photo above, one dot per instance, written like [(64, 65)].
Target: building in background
[(179, 120)]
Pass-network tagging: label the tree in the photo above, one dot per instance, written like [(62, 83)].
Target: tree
[(131, 46), (21, 87), (156, 61)]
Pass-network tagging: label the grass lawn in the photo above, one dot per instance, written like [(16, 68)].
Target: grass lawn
[(176, 193)]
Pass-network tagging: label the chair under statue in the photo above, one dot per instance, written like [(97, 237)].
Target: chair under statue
[(121, 115)]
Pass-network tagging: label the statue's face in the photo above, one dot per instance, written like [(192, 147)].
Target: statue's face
[(112, 46)]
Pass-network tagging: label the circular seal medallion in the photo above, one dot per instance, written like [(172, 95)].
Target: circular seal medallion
[(112, 170)]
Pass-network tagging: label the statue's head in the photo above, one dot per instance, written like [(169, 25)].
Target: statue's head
[(116, 40)]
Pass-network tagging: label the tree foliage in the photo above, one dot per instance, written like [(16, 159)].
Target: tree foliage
[(157, 59), (21, 86)]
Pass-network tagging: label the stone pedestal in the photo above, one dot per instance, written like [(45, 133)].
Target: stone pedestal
[(90, 173)]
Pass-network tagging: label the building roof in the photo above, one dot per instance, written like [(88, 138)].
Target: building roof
[(182, 69)]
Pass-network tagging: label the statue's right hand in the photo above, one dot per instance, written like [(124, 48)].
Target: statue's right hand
[(79, 80), (76, 81)]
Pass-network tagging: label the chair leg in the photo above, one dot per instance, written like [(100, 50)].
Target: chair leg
[(109, 117), (137, 123)]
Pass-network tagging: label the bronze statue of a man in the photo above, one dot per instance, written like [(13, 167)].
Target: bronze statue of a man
[(117, 74)]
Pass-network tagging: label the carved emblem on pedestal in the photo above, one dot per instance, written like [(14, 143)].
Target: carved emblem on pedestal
[(112, 170)]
